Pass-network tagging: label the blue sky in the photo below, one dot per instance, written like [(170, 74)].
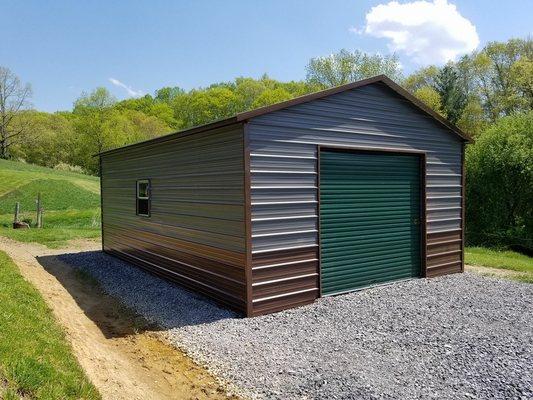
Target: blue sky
[(65, 47)]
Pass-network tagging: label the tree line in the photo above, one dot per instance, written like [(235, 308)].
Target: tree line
[(488, 94)]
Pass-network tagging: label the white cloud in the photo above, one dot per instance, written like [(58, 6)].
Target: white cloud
[(428, 32), (356, 30), (132, 92)]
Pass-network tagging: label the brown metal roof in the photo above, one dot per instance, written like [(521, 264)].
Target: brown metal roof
[(245, 116)]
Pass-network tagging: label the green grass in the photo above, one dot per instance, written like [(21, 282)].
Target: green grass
[(55, 195), (59, 227), (35, 360), (71, 203), (14, 174), (508, 260)]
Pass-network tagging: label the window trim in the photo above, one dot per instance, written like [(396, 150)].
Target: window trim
[(149, 197)]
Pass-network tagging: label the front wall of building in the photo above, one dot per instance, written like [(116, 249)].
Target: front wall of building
[(284, 184)]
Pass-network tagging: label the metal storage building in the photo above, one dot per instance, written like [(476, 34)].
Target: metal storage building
[(327, 193)]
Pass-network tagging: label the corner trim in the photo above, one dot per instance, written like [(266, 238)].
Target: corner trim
[(101, 202), (463, 204), (247, 220)]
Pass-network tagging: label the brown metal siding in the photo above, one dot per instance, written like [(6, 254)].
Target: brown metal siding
[(444, 253), (196, 232), (284, 278)]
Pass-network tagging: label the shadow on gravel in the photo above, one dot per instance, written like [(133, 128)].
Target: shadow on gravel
[(108, 289)]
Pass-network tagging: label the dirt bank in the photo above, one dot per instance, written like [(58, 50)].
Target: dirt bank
[(122, 354)]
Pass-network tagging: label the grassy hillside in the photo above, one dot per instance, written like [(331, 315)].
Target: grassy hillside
[(71, 203), (14, 173)]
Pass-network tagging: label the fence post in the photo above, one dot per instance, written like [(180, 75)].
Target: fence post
[(17, 211), (39, 211)]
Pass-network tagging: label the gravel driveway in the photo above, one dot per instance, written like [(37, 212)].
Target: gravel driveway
[(459, 336)]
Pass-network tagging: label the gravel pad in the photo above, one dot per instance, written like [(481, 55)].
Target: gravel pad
[(458, 336)]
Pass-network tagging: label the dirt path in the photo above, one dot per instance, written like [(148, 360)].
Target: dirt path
[(497, 272), (123, 356)]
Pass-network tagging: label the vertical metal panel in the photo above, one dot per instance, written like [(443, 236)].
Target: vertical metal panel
[(369, 218), (463, 208), (196, 232), (247, 221), (372, 116), (423, 214)]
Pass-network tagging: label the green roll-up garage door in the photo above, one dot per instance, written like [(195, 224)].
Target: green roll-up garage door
[(369, 219)]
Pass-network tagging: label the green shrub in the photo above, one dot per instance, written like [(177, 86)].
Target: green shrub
[(70, 168), (499, 184)]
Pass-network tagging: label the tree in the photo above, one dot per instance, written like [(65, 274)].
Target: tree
[(482, 86), (424, 77), (52, 137), (151, 107), (521, 77), (96, 131), (98, 100), (499, 179), (431, 98), (473, 118), (442, 89), (14, 97), (452, 94), (143, 104), (167, 94), (203, 106), (347, 66), (271, 96), (501, 74), (248, 90), (94, 111)]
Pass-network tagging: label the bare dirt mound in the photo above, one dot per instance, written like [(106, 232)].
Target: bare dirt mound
[(123, 355)]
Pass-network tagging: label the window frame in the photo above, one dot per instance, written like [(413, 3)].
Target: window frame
[(148, 197)]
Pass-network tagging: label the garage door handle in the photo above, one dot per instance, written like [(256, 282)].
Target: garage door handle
[(416, 221)]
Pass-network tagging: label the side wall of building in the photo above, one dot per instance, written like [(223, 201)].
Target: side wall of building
[(284, 195), (195, 234)]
